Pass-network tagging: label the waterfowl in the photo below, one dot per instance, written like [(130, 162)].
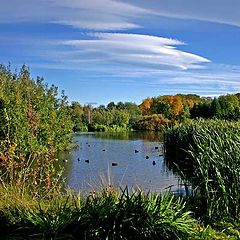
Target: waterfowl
[(136, 151), (65, 160), (147, 157), (114, 164), (154, 163), (87, 161), (103, 150), (156, 147), (78, 159)]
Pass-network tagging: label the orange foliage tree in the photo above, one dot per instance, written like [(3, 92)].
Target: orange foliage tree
[(176, 106), (146, 105)]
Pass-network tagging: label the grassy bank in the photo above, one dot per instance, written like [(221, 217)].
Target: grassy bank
[(104, 215), (108, 214)]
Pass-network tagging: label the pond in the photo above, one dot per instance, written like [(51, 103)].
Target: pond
[(133, 159)]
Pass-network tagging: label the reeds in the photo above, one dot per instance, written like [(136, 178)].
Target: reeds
[(208, 155)]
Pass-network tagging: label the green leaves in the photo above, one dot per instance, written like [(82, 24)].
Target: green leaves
[(106, 215), (34, 124)]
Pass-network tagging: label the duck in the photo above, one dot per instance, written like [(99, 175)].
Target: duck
[(87, 161), (65, 160), (78, 159), (147, 157), (136, 151), (156, 147), (153, 163), (114, 164)]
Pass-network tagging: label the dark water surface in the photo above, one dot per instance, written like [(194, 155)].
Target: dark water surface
[(103, 159)]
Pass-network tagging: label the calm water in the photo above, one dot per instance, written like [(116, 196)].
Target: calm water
[(111, 159)]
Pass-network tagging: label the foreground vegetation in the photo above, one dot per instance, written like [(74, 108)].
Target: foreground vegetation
[(108, 214)]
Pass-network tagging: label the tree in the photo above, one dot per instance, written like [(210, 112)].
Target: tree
[(34, 124), (77, 115), (146, 105), (216, 109), (163, 108), (101, 106), (176, 106), (111, 105)]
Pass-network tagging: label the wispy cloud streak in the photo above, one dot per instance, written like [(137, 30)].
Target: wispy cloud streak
[(137, 49), (90, 14)]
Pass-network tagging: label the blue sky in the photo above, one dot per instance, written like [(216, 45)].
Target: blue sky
[(108, 50)]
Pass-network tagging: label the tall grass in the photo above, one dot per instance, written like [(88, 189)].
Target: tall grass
[(208, 155), (103, 215)]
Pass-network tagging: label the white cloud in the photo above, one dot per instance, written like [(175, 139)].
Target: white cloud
[(131, 60), (98, 25), (90, 14), (102, 6), (219, 11), (117, 15), (136, 49)]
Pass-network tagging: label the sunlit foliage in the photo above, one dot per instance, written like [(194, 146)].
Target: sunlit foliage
[(35, 122)]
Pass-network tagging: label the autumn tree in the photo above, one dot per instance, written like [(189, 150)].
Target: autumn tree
[(146, 105), (176, 106)]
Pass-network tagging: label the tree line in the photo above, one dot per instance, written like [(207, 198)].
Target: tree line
[(154, 113)]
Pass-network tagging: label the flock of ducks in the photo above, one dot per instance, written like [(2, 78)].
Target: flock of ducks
[(114, 163)]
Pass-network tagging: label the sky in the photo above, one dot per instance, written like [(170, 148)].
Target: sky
[(99, 51)]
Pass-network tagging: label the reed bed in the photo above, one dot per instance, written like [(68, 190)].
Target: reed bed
[(207, 154)]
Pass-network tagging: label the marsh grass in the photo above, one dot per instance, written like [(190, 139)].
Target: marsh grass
[(209, 157)]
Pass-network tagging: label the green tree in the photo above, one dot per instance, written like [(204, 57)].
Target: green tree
[(216, 108), (34, 124), (111, 105), (77, 114)]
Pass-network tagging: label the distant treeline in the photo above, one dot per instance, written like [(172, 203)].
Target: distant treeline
[(154, 113), (113, 117)]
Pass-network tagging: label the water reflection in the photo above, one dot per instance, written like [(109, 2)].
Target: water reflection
[(135, 135), (132, 159)]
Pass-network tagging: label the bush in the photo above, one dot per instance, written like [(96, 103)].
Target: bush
[(155, 122)]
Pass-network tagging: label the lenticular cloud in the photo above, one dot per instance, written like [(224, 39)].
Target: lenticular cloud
[(138, 49)]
